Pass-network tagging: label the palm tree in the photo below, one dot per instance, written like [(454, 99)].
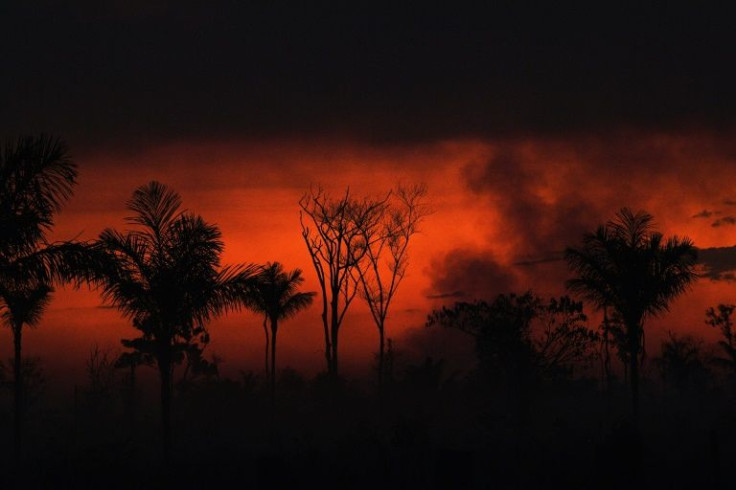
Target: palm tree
[(626, 266), (275, 296), (21, 307), (36, 177), (165, 275)]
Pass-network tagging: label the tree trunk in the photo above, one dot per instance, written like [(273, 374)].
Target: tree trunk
[(381, 355), (132, 402), (265, 329), (606, 361), (328, 349), (333, 339), (634, 371), (18, 392), (333, 348), (164, 365), (274, 329)]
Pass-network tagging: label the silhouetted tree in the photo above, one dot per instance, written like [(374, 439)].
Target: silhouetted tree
[(100, 369), (36, 177), (337, 241), (165, 275), (502, 333), (721, 317), (34, 379), (626, 266), (613, 335), (21, 307), (520, 341), (518, 337), (563, 341), (139, 355), (386, 259), (276, 296), (681, 362)]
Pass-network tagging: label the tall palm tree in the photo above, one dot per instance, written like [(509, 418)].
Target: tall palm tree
[(36, 177), (276, 296), (626, 266), (23, 306), (165, 275)]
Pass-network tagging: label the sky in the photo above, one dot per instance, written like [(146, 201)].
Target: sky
[(530, 126)]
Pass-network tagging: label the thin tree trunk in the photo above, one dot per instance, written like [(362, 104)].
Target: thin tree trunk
[(381, 355), (132, 400), (164, 364), (634, 375), (635, 436), (328, 349), (333, 347), (634, 339), (606, 361), (18, 391), (274, 329), (265, 329), (333, 339)]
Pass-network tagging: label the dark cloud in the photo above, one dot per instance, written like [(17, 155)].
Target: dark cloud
[(704, 214), (729, 202), (726, 220), (467, 274), (555, 257), (517, 188), (134, 73), (719, 262), (453, 294), (543, 196), (727, 276)]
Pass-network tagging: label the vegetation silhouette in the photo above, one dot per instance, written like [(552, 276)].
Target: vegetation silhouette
[(523, 339), (721, 317), (37, 175), (338, 233), (275, 295), (682, 363), (531, 413), (385, 262), (626, 266), (165, 275)]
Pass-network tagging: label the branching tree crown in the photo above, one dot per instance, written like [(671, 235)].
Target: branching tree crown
[(338, 232), (386, 256)]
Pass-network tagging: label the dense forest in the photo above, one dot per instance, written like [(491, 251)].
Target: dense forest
[(555, 396)]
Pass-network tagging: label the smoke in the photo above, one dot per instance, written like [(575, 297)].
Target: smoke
[(543, 195), (465, 274)]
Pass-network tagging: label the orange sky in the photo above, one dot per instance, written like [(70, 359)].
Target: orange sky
[(495, 202)]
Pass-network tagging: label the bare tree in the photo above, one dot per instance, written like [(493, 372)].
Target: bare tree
[(101, 376), (338, 232), (386, 258)]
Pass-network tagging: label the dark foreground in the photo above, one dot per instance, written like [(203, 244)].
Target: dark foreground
[(427, 431)]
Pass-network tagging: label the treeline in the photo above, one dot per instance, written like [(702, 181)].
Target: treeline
[(164, 274)]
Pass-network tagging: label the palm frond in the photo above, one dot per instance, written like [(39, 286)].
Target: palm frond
[(296, 303), (275, 292), (155, 207), (628, 266), (24, 305)]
